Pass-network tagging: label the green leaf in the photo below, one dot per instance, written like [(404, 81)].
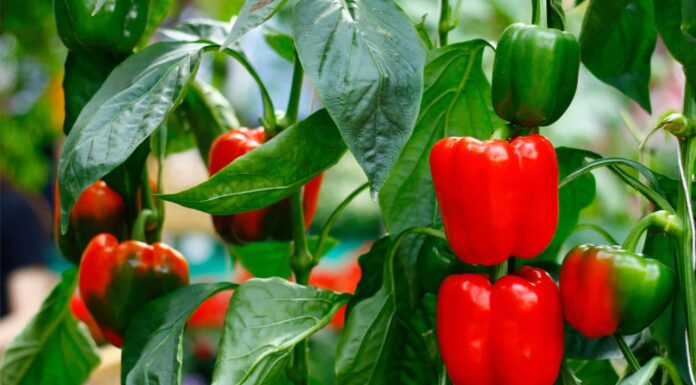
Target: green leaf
[(643, 376), (179, 137), (372, 93), (209, 113), (664, 248), (206, 30), (573, 197), (281, 43), (152, 347), (617, 40), (133, 101), (52, 346), (676, 21), (456, 102), (379, 345), (270, 172), (594, 372), (272, 258), (555, 14), (267, 318), (158, 11), (252, 14)]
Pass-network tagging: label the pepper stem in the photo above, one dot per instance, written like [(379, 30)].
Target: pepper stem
[(499, 271), (633, 363), (662, 219), (140, 224), (539, 13)]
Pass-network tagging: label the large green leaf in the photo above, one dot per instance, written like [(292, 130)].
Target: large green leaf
[(456, 102), (133, 101), (209, 113), (270, 172), (366, 62), (676, 21), (266, 319), (384, 338), (573, 197), (209, 30), (52, 348), (252, 14), (152, 347), (617, 40), (272, 258)]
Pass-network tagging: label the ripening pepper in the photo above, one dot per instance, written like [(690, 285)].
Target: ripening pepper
[(115, 28), (509, 332), (497, 199), (99, 209), (535, 74), (257, 225), (117, 279), (607, 290)]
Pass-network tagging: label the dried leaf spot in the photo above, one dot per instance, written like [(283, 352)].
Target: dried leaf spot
[(260, 4)]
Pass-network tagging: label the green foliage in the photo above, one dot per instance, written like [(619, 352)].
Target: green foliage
[(676, 23), (205, 30), (272, 258), (617, 41), (252, 14), (270, 172), (375, 107), (281, 43), (111, 126), (256, 343), (152, 347), (456, 102), (53, 345)]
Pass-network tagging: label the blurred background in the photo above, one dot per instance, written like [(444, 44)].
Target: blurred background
[(31, 117)]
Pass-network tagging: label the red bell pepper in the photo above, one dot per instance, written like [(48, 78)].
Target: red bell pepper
[(99, 209), (510, 332), (605, 290), (116, 280), (497, 199), (268, 222)]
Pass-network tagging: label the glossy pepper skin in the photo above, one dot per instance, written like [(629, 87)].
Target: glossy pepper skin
[(535, 74), (257, 225), (99, 209), (117, 279), (497, 199), (607, 290), (115, 28), (509, 332)]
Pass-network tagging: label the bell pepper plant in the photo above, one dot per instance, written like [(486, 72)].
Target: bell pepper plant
[(478, 190)]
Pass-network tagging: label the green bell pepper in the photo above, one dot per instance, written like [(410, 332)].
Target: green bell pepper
[(535, 74)]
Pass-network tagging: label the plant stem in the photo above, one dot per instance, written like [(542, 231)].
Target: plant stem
[(332, 219), (301, 264), (444, 24), (687, 249), (140, 225), (269, 119), (499, 271), (628, 354), (597, 229), (295, 91), (661, 219), (539, 13)]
